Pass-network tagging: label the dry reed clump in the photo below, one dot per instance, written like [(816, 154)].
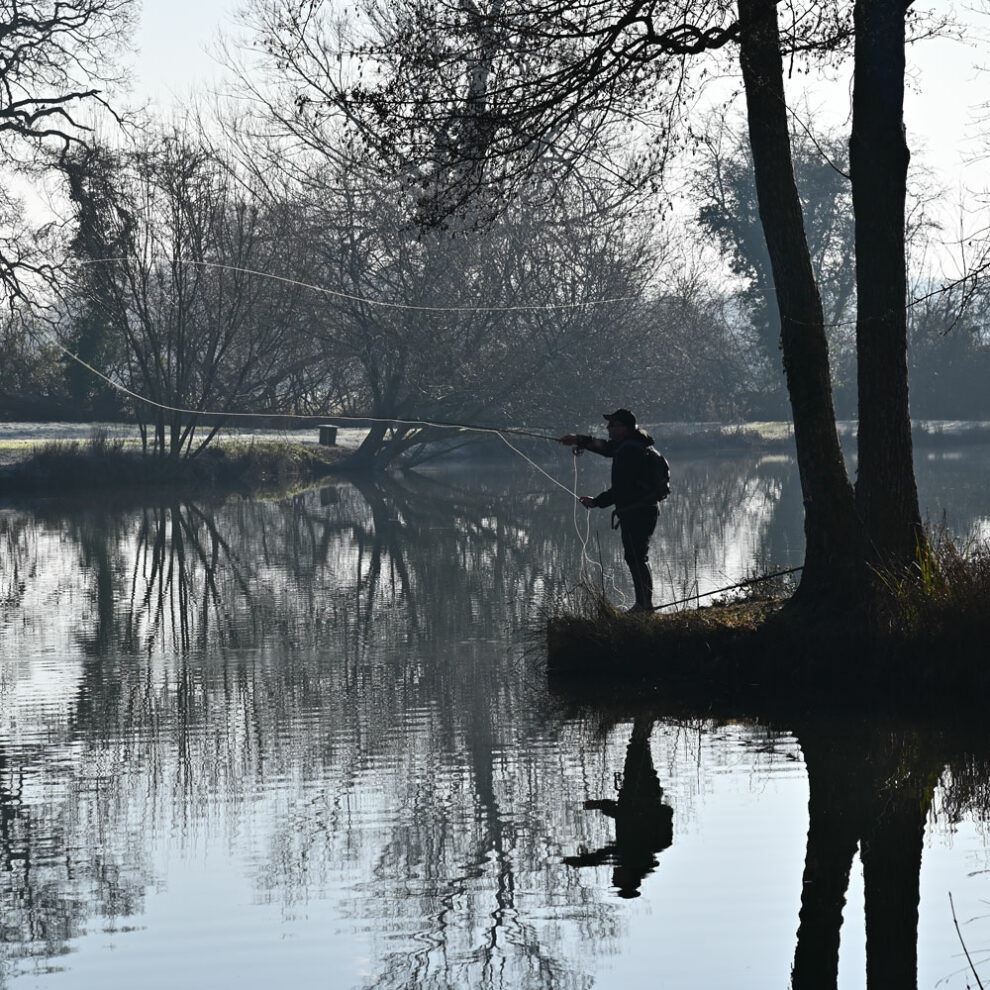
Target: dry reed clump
[(943, 597), (62, 465)]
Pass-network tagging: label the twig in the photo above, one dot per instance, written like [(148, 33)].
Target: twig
[(969, 959), (742, 584)]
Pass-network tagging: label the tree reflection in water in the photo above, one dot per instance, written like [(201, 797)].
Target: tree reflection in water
[(337, 677), (871, 782), (870, 787), (323, 649)]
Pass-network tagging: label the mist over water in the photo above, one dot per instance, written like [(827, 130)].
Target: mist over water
[(311, 741)]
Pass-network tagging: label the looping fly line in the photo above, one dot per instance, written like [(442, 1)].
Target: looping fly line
[(383, 303), (521, 308), (391, 420)]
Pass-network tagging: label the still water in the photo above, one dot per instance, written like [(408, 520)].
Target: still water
[(311, 743)]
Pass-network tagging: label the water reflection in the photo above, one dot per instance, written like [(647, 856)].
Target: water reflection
[(188, 574), (292, 664), (871, 788), (326, 700), (644, 825), (874, 784)]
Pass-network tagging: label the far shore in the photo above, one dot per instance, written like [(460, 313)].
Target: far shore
[(39, 459), (65, 467), (22, 440)]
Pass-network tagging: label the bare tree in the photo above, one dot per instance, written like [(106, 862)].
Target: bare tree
[(555, 74), (447, 309), (58, 63), (466, 326), (205, 318)]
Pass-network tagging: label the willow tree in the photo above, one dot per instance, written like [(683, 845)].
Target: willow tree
[(448, 305), (192, 330)]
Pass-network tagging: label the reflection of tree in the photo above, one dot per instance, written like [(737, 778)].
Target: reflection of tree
[(185, 574), (871, 787), (333, 677), (58, 868), (643, 823), (18, 552), (215, 637), (727, 520), (214, 640)]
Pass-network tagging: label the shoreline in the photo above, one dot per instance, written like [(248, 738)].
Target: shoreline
[(764, 650), (73, 467)]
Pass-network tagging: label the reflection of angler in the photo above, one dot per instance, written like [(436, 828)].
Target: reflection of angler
[(643, 823)]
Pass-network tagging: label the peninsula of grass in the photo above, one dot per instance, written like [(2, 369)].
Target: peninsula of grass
[(928, 642), (64, 467)]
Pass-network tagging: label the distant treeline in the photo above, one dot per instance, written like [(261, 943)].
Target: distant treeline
[(194, 278)]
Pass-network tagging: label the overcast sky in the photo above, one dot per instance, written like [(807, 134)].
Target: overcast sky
[(173, 39), (175, 36)]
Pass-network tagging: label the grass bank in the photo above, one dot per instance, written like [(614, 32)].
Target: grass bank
[(99, 464), (929, 642), (721, 646)]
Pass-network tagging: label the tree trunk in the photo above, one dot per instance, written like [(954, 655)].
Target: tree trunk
[(834, 797), (886, 492), (365, 458), (891, 854), (829, 521)]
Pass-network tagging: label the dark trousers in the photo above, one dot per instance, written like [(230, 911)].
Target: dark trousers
[(637, 526)]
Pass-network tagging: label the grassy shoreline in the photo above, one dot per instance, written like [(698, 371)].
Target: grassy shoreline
[(928, 646), (69, 467)]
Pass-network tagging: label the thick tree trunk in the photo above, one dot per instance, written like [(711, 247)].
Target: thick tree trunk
[(833, 836), (366, 457), (829, 522), (891, 854), (886, 493)]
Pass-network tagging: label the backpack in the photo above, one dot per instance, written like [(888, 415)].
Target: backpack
[(656, 474)]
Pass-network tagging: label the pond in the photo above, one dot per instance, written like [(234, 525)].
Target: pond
[(311, 741)]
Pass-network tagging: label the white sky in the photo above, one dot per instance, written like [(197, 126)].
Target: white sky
[(174, 37), (172, 41), (945, 89)]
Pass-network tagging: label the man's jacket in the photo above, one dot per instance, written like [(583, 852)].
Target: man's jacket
[(630, 486)]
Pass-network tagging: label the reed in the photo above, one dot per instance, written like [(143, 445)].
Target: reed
[(942, 597), (593, 637)]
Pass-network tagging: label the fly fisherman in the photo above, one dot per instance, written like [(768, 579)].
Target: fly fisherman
[(640, 480)]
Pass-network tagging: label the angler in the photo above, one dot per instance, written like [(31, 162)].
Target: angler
[(640, 481)]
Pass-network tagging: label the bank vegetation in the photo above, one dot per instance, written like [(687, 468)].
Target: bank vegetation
[(925, 643), (248, 467)]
